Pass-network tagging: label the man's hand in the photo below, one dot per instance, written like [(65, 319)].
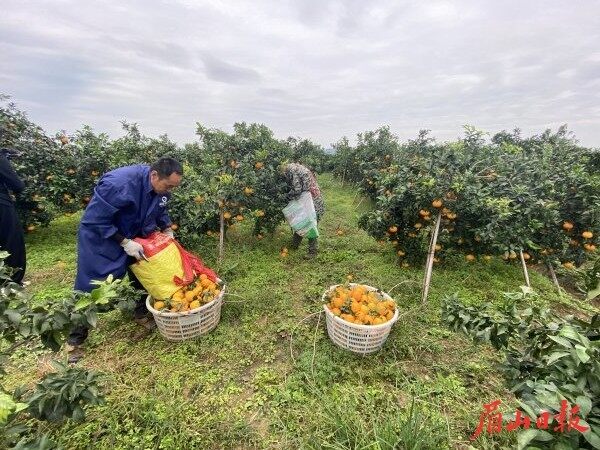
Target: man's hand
[(132, 248), (169, 232)]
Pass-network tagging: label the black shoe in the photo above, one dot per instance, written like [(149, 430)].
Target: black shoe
[(296, 240), (312, 249), (147, 322), (75, 352)]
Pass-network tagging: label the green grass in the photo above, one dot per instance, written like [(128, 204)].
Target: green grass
[(268, 376)]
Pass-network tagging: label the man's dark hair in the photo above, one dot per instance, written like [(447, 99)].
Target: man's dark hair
[(167, 166)]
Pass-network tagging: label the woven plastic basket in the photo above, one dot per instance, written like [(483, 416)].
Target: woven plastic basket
[(363, 339), (180, 326)]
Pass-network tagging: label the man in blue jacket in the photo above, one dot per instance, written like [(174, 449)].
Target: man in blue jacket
[(11, 230), (127, 203)]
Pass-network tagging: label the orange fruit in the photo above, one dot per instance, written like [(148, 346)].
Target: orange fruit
[(227, 215), (567, 226), (587, 234), (258, 165), (393, 229), (159, 305), (568, 265), (174, 227), (470, 257), (437, 203)]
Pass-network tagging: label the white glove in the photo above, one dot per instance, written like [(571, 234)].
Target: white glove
[(132, 248), (169, 232)]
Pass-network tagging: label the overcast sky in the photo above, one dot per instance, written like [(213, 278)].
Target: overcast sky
[(318, 69)]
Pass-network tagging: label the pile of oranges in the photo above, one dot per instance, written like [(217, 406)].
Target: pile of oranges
[(360, 305), (200, 292)]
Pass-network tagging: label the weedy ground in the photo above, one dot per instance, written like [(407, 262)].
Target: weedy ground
[(268, 376)]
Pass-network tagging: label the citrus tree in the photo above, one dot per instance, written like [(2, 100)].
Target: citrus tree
[(236, 176), (534, 199), (38, 155), (372, 154)]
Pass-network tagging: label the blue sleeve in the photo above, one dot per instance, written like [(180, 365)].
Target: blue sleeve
[(109, 198)]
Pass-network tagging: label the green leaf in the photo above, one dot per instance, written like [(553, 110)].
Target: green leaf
[(570, 333), (562, 445), (528, 409), (83, 302), (525, 437), (592, 294), (585, 404), (78, 414), (92, 317), (24, 329), (562, 341), (13, 316), (582, 354), (556, 356), (543, 436), (592, 438)]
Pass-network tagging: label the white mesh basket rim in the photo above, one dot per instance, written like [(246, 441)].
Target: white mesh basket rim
[(194, 311), (356, 326)]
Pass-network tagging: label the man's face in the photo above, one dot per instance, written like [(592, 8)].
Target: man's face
[(164, 185)]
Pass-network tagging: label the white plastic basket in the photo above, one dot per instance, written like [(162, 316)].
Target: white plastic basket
[(180, 326), (363, 339)]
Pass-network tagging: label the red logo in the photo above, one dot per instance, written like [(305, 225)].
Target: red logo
[(566, 420)]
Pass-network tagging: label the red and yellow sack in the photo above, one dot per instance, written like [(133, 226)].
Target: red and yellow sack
[(169, 266)]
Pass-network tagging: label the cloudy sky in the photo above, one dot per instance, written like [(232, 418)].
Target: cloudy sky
[(319, 69)]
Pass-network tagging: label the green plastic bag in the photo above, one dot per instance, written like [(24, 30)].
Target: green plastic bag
[(300, 214)]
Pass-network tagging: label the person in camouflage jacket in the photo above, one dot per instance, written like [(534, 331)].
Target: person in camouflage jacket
[(301, 179)]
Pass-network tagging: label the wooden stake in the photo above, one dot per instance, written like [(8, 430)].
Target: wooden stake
[(430, 256), (525, 272), (221, 237), (359, 203), (554, 279)]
